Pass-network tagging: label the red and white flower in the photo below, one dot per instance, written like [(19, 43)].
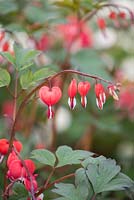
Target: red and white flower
[(100, 95), (83, 89)]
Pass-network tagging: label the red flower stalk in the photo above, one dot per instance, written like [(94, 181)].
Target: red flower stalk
[(101, 23), (72, 90), (100, 95), (112, 91), (50, 96), (83, 88)]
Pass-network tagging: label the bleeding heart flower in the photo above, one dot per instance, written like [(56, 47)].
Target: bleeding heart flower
[(122, 15), (100, 95), (113, 15), (18, 145), (112, 91), (5, 46), (12, 156), (101, 23), (83, 88), (50, 96), (4, 145), (72, 90)]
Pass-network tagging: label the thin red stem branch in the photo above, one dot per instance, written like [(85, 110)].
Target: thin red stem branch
[(54, 182)]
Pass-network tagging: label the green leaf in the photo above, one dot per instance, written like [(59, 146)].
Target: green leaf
[(19, 192), (27, 79), (120, 182), (4, 77), (67, 156), (89, 61), (36, 14), (82, 180), (8, 56), (105, 176), (43, 73), (92, 160), (24, 57), (70, 192), (7, 7), (44, 156)]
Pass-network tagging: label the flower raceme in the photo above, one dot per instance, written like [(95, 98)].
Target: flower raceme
[(72, 91), (18, 172), (100, 95), (50, 96), (83, 89)]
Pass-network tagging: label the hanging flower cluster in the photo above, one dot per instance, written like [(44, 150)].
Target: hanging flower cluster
[(51, 96), (119, 18), (18, 170)]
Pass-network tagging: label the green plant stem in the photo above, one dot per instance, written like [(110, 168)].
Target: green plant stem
[(47, 186), (13, 119), (94, 197)]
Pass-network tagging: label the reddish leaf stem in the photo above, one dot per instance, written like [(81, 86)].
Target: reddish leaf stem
[(54, 182)]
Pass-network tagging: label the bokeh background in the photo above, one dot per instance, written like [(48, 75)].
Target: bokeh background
[(52, 27)]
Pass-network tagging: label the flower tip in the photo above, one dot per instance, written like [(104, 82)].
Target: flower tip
[(72, 103)]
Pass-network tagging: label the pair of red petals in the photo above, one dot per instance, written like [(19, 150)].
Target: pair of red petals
[(83, 89), (16, 170), (50, 96)]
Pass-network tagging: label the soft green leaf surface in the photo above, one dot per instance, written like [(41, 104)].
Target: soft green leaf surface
[(7, 7), (82, 180), (8, 56), (19, 192), (27, 80), (70, 192), (67, 156), (24, 57), (105, 176), (44, 156), (4, 78), (43, 73)]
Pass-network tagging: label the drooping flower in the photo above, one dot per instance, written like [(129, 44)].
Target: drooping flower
[(112, 91), (83, 88), (18, 145), (100, 95), (122, 15), (4, 145), (113, 15), (72, 90), (50, 96), (101, 23), (16, 169)]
